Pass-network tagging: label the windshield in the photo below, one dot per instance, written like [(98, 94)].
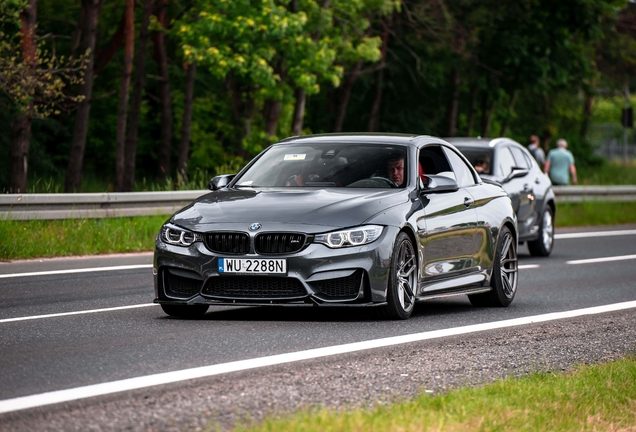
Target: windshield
[(480, 158), (328, 165)]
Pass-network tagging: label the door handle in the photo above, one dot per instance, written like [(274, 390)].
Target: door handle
[(468, 201)]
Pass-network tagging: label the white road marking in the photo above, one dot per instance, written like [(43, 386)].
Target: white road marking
[(82, 270), (6, 320), (528, 266), (53, 397), (604, 259), (593, 234)]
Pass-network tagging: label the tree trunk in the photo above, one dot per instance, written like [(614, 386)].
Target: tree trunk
[(345, 96), (587, 114), (509, 114), (299, 111), (135, 107), (453, 108), (122, 109), (471, 112), (21, 137), (103, 56), (374, 116), (488, 110), (73, 182), (21, 128), (165, 149), (186, 129), (271, 114)]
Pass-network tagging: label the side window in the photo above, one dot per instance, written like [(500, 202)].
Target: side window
[(462, 172), (505, 161), (521, 161), (433, 161)]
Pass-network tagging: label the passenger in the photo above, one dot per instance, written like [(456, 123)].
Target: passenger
[(481, 165)]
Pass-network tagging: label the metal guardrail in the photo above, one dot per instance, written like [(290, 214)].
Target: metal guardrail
[(594, 193), (105, 205), (93, 205)]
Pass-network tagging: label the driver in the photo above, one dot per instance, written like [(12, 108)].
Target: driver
[(395, 170)]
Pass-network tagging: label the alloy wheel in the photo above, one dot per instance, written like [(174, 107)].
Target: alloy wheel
[(406, 276), (508, 266)]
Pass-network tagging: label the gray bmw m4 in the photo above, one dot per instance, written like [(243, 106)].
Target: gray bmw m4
[(356, 220)]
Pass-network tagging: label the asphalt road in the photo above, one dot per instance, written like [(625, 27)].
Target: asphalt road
[(71, 330)]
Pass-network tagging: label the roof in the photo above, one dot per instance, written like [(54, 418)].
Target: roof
[(479, 142), (367, 137)]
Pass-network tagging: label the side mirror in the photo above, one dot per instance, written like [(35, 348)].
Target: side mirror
[(437, 184), (221, 181), (516, 173)]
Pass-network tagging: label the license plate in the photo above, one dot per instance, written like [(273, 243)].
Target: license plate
[(253, 266)]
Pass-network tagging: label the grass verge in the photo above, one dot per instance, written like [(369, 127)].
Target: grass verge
[(592, 213), (39, 238), (592, 398)]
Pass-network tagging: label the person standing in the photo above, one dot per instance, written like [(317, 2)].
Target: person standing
[(536, 151), (560, 165)]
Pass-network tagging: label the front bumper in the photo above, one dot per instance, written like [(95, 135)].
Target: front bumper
[(316, 276)]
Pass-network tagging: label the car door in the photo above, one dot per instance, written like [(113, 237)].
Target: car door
[(447, 227), (515, 174)]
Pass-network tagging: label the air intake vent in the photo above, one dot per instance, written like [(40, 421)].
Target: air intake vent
[(253, 287), (346, 287), (228, 243), (278, 243), (180, 286)]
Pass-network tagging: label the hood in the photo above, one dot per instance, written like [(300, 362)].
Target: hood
[(333, 208)]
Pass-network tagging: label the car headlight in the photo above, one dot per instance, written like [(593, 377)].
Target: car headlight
[(350, 237), (179, 236)]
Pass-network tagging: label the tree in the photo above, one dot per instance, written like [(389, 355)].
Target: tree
[(158, 37), (88, 25), (21, 129), (130, 151), (33, 79), (122, 110)]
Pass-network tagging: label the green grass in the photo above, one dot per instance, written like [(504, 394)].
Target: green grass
[(592, 398), (591, 213), (608, 173), (35, 239)]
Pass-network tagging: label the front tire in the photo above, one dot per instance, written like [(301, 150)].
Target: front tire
[(402, 280), (543, 245), (185, 311), (503, 281)]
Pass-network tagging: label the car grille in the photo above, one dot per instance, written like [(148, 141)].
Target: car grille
[(278, 243), (342, 287), (228, 243), (254, 287), (179, 286)]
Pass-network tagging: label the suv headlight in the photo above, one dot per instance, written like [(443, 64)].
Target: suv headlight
[(179, 236), (350, 237)]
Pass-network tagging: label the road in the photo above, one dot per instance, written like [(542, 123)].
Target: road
[(73, 323)]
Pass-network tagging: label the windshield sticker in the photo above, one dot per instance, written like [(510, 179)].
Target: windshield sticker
[(294, 157), (246, 183)]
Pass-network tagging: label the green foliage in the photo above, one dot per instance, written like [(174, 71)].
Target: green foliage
[(38, 87), (541, 55)]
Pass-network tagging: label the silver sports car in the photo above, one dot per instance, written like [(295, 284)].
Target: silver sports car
[(358, 220)]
